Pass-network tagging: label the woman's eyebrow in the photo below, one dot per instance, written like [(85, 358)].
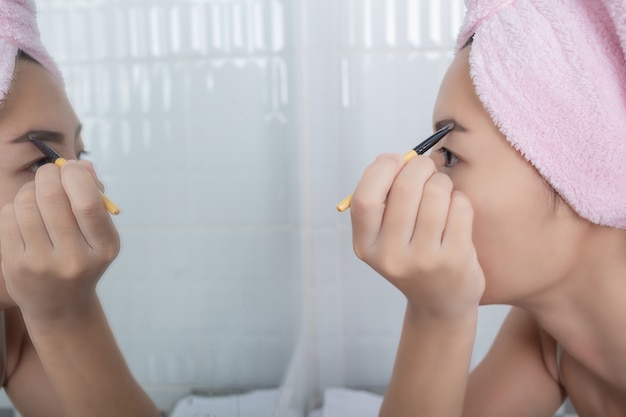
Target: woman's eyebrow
[(441, 123), (46, 136)]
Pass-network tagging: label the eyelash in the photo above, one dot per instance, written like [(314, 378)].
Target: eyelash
[(449, 158), (35, 165)]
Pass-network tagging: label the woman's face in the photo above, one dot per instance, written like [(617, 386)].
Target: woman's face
[(525, 237), (36, 102)]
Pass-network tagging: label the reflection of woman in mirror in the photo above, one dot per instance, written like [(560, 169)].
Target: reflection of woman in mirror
[(524, 204), (58, 354)]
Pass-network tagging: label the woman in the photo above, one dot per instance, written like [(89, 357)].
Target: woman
[(524, 203), (59, 357)]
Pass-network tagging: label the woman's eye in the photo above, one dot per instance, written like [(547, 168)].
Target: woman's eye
[(449, 159), (35, 165)]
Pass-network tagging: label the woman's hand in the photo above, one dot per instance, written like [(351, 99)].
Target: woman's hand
[(412, 228), (56, 241)]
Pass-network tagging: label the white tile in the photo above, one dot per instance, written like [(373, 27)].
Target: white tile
[(329, 320), (246, 183), (254, 266), (152, 271), (247, 308), (325, 257), (54, 32), (157, 199), (239, 362), (321, 82), (419, 76), (328, 312), (324, 186), (241, 158), (316, 36), (369, 361), (330, 356), (372, 307), (361, 30), (160, 358)]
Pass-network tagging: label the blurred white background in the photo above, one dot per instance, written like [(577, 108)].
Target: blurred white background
[(227, 130)]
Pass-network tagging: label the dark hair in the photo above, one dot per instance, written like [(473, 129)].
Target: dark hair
[(469, 41), (23, 55)]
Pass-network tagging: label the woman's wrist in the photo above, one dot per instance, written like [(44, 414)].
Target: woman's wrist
[(74, 318), (442, 324)]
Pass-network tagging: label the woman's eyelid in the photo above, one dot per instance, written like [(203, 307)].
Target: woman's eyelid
[(449, 158), (450, 152), (33, 166), (452, 148)]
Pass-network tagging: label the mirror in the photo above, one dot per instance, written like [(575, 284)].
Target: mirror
[(189, 113), (227, 131)]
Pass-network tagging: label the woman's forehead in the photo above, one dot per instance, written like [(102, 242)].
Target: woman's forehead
[(457, 98), (36, 100)]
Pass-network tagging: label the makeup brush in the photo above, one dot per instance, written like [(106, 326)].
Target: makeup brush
[(418, 150), (59, 161)]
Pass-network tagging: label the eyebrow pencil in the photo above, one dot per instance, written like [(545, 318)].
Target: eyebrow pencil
[(59, 161), (418, 150)]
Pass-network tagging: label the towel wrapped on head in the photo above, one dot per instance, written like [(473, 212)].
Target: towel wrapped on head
[(19, 32), (552, 76)]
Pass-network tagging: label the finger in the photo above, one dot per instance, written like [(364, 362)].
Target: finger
[(30, 222), (433, 213), (92, 170), (11, 241), (86, 202), (458, 230), (369, 199), (55, 208), (404, 199)]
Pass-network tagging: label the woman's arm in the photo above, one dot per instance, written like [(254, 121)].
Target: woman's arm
[(73, 367), (513, 379), (431, 372), (412, 227), (431, 368)]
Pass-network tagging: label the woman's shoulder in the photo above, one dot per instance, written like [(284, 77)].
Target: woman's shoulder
[(518, 372), (522, 329)]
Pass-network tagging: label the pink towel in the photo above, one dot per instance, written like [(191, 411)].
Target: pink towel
[(552, 75), (19, 31)]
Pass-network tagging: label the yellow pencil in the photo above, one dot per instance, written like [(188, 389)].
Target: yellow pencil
[(108, 204), (418, 150)]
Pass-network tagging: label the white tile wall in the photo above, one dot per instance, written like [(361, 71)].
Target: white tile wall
[(227, 130), (189, 113)]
